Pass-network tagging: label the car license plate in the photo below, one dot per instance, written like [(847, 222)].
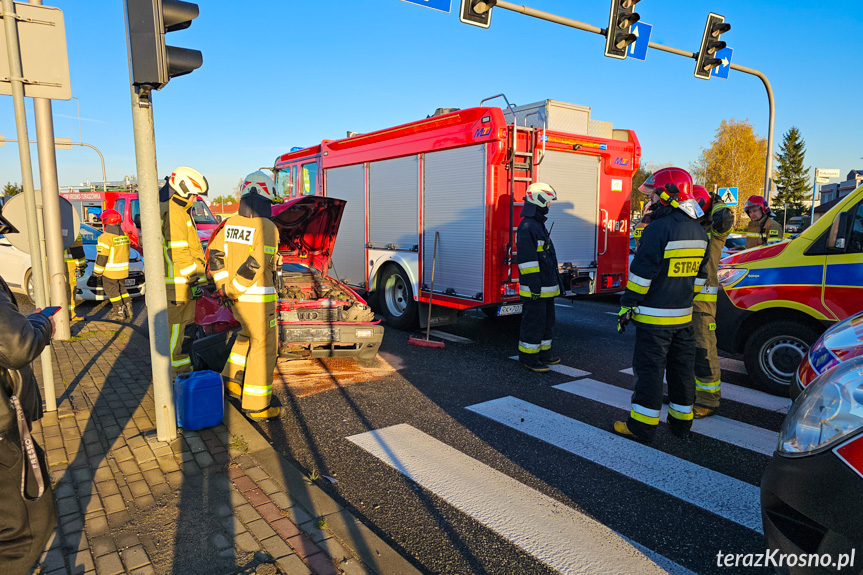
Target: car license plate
[(509, 309), (130, 283)]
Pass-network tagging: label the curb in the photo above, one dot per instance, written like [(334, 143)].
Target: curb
[(373, 551)]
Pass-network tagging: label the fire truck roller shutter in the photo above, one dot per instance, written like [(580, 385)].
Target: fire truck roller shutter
[(394, 203), (454, 205), (349, 183), (575, 178)]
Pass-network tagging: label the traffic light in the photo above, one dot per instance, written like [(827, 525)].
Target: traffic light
[(710, 44), (618, 36), (476, 12), (153, 63)]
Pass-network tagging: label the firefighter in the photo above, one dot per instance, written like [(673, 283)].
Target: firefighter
[(658, 298), (76, 265), (243, 257), (717, 221), (762, 228), (539, 280), (645, 219), (184, 258), (112, 264)]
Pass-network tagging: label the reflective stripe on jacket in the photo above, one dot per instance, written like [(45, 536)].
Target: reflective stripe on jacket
[(537, 260), (243, 256), (112, 255), (719, 226), (184, 256), (763, 231)]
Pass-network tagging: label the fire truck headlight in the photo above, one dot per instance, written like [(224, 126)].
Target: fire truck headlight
[(730, 276)]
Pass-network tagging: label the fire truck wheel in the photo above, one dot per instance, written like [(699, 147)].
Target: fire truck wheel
[(773, 353), (396, 298)]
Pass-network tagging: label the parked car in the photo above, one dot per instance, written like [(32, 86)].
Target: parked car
[(811, 502), (318, 315), (797, 224), (17, 272), (127, 204), (733, 243), (840, 343)]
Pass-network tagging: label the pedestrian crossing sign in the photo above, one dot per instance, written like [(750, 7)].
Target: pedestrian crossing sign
[(728, 195)]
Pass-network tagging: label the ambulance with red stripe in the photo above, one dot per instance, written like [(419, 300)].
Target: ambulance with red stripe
[(777, 299)]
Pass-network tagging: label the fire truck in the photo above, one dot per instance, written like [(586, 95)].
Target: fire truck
[(460, 176)]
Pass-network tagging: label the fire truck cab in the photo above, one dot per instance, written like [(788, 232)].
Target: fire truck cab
[(460, 176)]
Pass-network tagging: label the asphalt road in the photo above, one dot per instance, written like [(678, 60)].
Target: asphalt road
[(479, 466)]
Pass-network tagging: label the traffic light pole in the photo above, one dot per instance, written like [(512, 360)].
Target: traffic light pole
[(154, 267), (527, 11)]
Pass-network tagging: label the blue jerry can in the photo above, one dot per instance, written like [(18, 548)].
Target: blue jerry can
[(199, 399)]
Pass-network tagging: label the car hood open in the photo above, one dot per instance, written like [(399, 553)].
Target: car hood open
[(308, 226)]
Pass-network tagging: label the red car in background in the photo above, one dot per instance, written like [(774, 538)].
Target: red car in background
[(838, 344)]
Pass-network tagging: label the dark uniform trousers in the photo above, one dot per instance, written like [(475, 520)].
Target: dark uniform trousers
[(537, 323), (658, 353), (116, 290)]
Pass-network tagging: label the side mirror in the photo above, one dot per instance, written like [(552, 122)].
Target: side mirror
[(218, 218), (137, 220), (838, 232)]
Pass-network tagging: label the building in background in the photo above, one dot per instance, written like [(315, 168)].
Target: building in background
[(832, 194)]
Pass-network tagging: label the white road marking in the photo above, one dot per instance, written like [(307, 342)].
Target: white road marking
[(449, 336), (550, 531), (562, 305), (728, 430), (748, 396), (734, 365), (564, 369), (725, 496)]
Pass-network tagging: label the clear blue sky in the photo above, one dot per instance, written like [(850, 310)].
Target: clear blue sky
[(279, 74)]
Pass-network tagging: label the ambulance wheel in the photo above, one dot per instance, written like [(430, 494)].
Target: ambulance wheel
[(773, 353), (396, 298)]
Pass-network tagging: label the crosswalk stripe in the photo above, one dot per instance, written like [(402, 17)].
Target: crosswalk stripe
[(449, 336), (550, 531), (748, 396), (735, 365), (725, 496), (728, 430), (564, 369)]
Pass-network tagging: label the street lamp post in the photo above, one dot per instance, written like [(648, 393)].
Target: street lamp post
[(61, 145)]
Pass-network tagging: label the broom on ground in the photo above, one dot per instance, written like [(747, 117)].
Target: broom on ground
[(427, 342)]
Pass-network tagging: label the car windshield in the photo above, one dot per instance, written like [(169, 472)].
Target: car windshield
[(89, 234), (733, 243), (202, 214)]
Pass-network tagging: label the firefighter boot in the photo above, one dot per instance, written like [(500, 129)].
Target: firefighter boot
[(127, 306), (620, 428), (118, 312), (550, 360), (702, 411), (271, 412), (235, 390), (537, 367)]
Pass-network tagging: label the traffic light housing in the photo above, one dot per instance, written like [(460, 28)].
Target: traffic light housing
[(710, 44), (152, 63), (618, 36), (476, 12)]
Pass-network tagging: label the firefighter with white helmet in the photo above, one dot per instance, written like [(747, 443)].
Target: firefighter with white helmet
[(667, 271), (539, 279), (184, 257), (243, 256), (762, 228)]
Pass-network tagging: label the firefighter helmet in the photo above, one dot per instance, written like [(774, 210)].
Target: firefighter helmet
[(188, 182), (674, 188), (111, 217), (540, 194), (262, 184), (702, 196), (756, 201)]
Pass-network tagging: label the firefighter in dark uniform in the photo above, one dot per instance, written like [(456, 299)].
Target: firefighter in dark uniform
[(645, 219), (658, 299), (112, 264), (243, 257), (717, 221), (539, 280), (76, 264), (762, 228)]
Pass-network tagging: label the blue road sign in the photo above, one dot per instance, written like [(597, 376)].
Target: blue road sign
[(722, 71), (638, 49), (728, 195), (442, 5)]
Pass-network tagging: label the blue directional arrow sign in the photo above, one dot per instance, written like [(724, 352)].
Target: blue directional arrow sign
[(442, 5), (728, 195), (638, 49), (722, 71)]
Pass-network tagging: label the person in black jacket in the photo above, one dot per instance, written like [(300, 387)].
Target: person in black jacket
[(28, 516), (669, 268), (539, 280)]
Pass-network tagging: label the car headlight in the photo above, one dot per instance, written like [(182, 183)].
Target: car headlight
[(830, 409), (730, 276)]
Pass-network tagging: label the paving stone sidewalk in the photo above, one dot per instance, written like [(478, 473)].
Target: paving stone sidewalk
[(214, 501)]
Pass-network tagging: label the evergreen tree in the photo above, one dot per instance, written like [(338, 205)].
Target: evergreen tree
[(791, 179)]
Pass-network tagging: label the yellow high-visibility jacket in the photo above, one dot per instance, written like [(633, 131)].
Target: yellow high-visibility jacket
[(184, 257), (763, 231), (243, 256), (112, 256)]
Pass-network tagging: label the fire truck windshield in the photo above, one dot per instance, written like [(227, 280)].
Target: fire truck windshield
[(284, 182)]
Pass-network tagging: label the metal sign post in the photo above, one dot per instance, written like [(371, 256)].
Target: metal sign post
[(822, 176)]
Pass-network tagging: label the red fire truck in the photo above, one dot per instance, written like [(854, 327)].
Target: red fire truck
[(461, 175)]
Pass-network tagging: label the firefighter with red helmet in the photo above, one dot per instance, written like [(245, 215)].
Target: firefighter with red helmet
[(667, 271), (717, 221), (762, 228), (112, 264), (184, 257), (539, 280), (243, 257)]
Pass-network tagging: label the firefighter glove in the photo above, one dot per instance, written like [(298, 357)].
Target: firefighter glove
[(534, 296), (624, 316), (79, 272), (197, 292), (224, 300)]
